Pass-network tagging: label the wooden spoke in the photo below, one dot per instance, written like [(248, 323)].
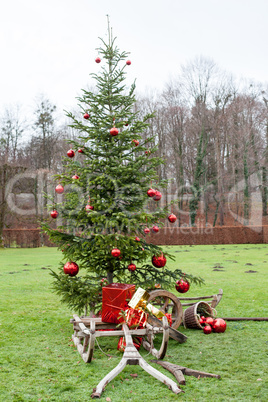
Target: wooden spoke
[(167, 302)]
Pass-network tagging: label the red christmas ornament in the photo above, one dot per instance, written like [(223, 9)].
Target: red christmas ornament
[(71, 153), (155, 229), (126, 123), (136, 142), (86, 116), (147, 152), (146, 230), (182, 286), (157, 195), (81, 150), (54, 214), (75, 177), (219, 325), (172, 218), (207, 329), (59, 189), (115, 252), (71, 268), (137, 238), (151, 192), (89, 208), (131, 267), (128, 62), (160, 261), (209, 321), (114, 131), (97, 60)]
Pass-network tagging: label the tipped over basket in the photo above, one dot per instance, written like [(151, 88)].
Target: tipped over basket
[(191, 315)]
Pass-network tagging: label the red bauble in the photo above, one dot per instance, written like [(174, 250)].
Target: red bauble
[(128, 62), (137, 238), (136, 142), (155, 229), (71, 153), (114, 131), (71, 268), (219, 325), (131, 267), (147, 152), (160, 261), (89, 208), (146, 230), (86, 116), (207, 329), (54, 214), (81, 150), (151, 192), (115, 252), (172, 218), (157, 195), (209, 321), (182, 286), (59, 189), (75, 177), (97, 60)]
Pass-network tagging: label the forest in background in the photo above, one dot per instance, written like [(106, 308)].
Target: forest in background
[(211, 130)]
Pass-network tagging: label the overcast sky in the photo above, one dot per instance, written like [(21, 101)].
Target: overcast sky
[(48, 46)]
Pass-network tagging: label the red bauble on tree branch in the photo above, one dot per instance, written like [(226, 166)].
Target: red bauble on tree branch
[(71, 153), (71, 268), (160, 261)]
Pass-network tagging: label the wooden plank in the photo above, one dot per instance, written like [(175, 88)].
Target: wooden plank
[(196, 298), (185, 370)]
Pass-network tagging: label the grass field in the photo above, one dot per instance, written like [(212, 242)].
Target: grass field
[(38, 361)]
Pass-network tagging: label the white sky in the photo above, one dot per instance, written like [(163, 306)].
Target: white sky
[(48, 46)]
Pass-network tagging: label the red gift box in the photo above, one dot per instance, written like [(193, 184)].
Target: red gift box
[(115, 298)]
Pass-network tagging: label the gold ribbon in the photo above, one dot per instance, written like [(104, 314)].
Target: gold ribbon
[(139, 301)]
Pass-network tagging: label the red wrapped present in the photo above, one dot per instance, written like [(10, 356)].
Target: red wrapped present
[(115, 298), (136, 318)]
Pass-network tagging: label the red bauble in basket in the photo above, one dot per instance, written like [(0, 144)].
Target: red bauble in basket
[(160, 261), (182, 286), (207, 329), (219, 325), (209, 321)]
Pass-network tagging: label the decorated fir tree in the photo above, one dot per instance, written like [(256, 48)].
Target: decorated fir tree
[(109, 175)]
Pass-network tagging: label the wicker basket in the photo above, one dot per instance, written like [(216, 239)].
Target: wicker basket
[(191, 316)]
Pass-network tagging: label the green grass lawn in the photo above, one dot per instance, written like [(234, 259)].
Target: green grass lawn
[(38, 361)]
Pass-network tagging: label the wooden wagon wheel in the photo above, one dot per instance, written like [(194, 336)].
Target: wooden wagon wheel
[(167, 302), (148, 340)]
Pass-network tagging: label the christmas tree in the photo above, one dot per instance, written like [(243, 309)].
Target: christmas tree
[(109, 172)]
